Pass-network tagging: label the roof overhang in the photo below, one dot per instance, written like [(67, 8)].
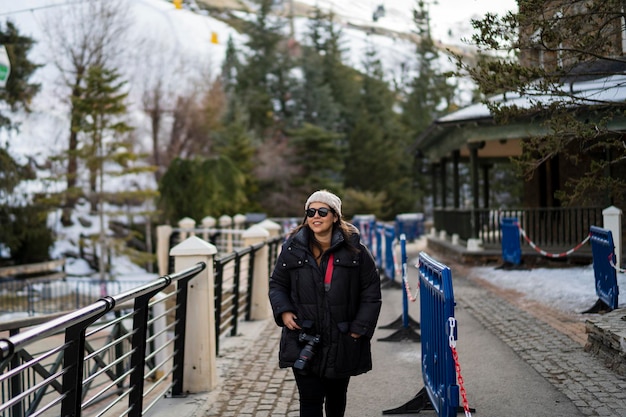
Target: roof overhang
[(475, 124)]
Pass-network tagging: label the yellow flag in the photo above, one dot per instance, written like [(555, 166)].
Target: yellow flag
[(214, 38), (178, 4)]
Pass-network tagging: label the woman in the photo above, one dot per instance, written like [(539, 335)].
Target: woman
[(325, 293)]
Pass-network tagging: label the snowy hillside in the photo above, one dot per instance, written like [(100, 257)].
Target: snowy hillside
[(179, 35), (170, 37)]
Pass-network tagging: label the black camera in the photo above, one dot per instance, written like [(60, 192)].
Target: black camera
[(308, 350)]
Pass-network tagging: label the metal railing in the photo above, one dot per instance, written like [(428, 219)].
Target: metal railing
[(34, 296), (547, 227), (85, 363), (233, 288), (120, 354)]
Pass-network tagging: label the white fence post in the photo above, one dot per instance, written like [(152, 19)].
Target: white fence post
[(199, 368), (612, 219), (186, 224), (240, 221), (271, 226), (260, 306), (164, 233), (226, 235), (208, 223)]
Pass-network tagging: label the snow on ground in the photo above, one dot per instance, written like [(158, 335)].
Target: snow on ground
[(570, 289), (449, 19)]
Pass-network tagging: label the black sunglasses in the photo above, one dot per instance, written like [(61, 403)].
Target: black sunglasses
[(323, 211)]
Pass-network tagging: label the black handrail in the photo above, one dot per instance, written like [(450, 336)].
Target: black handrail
[(97, 309), (70, 389), (72, 374)]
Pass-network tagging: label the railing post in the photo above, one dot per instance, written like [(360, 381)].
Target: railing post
[(199, 362), (163, 247), (73, 362), (226, 236), (272, 227), (239, 221), (275, 230), (239, 224), (259, 302), (208, 223), (236, 292), (186, 225), (16, 381), (612, 219)]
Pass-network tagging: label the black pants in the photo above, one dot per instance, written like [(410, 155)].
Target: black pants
[(314, 389)]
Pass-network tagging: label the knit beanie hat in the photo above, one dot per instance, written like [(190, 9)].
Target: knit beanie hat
[(326, 197)]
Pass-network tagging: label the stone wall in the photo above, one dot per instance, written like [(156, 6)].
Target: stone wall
[(606, 338)]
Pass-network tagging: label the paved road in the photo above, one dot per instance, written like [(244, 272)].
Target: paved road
[(516, 360)]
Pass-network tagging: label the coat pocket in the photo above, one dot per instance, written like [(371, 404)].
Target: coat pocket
[(353, 355), (289, 349)]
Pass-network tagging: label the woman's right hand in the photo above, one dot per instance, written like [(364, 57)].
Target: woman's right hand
[(289, 320)]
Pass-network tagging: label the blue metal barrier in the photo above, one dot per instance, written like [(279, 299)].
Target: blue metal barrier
[(379, 233), (390, 236), (440, 391), (405, 324), (366, 224), (511, 244), (410, 224), (603, 251)]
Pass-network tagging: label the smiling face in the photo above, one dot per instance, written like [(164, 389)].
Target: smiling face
[(321, 226)]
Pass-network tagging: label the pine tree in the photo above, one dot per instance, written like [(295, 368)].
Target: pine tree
[(87, 34), (100, 106), (543, 50), (318, 155), (314, 96), (430, 93), (343, 81), (25, 232), (377, 158), (197, 188), (234, 143), (19, 91), (107, 151), (263, 81)]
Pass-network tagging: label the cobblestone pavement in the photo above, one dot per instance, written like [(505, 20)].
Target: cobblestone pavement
[(550, 342), (593, 388), (256, 386)]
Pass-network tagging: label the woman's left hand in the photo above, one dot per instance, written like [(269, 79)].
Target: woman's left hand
[(355, 335)]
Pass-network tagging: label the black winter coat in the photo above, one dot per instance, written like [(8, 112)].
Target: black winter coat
[(351, 304)]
